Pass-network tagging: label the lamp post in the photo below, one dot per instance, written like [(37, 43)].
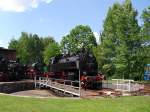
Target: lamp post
[(78, 67)]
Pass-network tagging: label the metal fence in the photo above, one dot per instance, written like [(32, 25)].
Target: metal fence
[(123, 85)]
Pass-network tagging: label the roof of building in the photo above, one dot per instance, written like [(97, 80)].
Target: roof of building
[(4, 49)]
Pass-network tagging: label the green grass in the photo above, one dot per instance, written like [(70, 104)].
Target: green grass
[(122, 104)]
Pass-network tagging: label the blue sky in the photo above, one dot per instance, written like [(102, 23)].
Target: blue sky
[(53, 17)]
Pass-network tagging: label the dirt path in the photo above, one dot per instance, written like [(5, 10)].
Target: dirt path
[(35, 93), (88, 93)]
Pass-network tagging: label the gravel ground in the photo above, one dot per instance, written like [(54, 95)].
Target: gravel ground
[(88, 93), (34, 93)]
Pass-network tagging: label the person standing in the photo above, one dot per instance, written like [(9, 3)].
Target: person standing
[(84, 81)]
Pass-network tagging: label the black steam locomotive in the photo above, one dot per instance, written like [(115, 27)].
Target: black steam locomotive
[(69, 68), (71, 65), (10, 68)]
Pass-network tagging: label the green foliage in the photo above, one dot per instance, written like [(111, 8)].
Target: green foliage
[(13, 44), (80, 37), (30, 47), (121, 43), (23, 48), (46, 41), (35, 48), (146, 26), (145, 34), (51, 50)]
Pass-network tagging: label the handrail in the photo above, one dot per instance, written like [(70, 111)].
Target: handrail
[(65, 87), (123, 80)]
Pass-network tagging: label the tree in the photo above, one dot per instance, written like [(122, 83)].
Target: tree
[(35, 47), (46, 41), (22, 51), (104, 54), (145, 35), (50, 51), (13, 44), (30, 47), (144, 51), (79, 37), (146, 26), (120, 41)]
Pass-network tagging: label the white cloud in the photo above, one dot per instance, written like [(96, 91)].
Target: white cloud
[(20, 5), (97, 37)]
